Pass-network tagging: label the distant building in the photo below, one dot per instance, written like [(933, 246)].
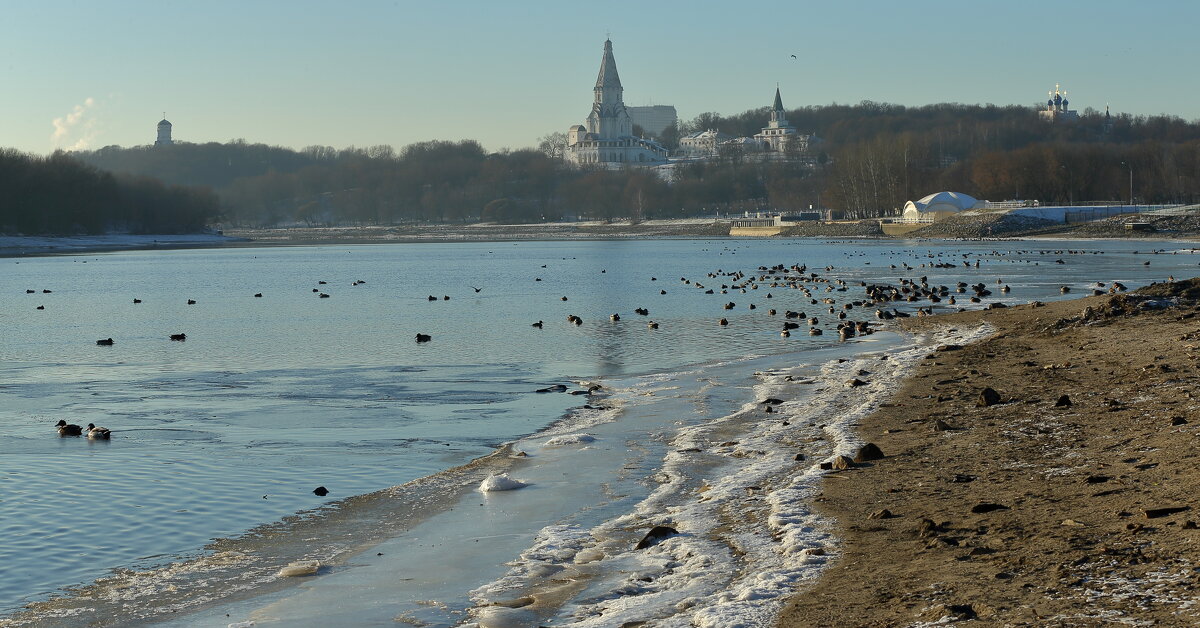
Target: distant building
[(778, 134), (654, 118), (608, 137), (1108, 122), (1057, 109), (164, 133), (702, 143), (937, 206)]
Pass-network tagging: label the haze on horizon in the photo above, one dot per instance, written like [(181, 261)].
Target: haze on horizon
[(83, 76)]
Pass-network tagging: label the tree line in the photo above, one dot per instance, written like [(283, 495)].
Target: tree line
[(61, 195), (870, 158)]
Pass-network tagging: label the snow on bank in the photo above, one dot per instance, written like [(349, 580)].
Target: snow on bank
[(47, 245), (747, 533)]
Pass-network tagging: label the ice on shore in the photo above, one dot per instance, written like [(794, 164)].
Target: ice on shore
[(570, 439), (500, 482), (300, 568)]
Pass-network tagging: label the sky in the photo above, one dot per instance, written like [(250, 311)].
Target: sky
[(83, 74)]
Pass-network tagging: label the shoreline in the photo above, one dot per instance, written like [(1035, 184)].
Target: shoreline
[(44, 246), (1030, 511)]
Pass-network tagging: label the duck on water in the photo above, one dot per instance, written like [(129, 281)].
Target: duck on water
[(68, 429)]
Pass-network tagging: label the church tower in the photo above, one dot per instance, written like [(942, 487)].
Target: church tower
[(778, 119), (164, 133), (607, 137), (609, 117), (778, 133)]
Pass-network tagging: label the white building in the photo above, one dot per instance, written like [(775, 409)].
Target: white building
[(164, 133), (937, 206), (702, 143), (654, 119), (608, 137), (778, 134)]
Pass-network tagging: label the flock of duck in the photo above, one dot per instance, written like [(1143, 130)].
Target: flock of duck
[(797, 277)]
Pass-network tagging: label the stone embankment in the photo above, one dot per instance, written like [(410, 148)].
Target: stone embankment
[(990, 225), (863, 229), (1160, 227)]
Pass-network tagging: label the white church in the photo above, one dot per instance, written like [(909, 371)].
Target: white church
[(608, 137)]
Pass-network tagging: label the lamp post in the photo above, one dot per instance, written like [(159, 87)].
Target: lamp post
[(1130, 166), (1070, 192)]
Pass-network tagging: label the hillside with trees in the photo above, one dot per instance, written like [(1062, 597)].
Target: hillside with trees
[(60, 195), (870, 159)]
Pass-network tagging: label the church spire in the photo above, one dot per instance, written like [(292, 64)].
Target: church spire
[(608, 69), (778, 106)]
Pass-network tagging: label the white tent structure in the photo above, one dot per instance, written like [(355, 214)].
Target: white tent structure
[(938, 206)]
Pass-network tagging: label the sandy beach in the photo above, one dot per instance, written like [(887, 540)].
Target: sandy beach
[(1069, 501)]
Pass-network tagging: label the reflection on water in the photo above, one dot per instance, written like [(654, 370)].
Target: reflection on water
[(270, 397)]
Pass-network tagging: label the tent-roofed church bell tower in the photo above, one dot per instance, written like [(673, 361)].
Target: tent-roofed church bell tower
[(609, 117)]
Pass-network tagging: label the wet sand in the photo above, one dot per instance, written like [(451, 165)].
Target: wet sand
[(1029, 512)]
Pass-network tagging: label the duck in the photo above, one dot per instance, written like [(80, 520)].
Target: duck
[(180, 337), (424, 337), (105, 342), (68, 429), (98, 433), (537, 324)]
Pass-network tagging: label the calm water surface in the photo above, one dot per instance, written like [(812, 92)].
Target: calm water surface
[(270, 397)]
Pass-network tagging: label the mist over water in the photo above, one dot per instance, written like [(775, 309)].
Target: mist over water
[(271, 397)]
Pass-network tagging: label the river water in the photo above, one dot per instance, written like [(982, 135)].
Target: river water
[(219, 440)]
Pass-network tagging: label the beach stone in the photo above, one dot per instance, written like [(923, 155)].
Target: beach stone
[(1063, 402), (868, 452), (941, 426), (881, 514), (986, 507), (988, 397), (772, 400), (1178, 421), (855, 383), (927, 528), (320, 491), (655, 535), (841, 463), (798, 457), (1156, 513)]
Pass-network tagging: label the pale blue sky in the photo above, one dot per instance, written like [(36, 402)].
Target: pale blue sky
[(367, 72)]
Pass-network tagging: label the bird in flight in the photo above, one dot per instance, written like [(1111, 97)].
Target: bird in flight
[(793, 56), (476, 289)]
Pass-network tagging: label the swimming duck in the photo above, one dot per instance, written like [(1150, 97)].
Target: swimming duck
[(68, 429), (98, 433)]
